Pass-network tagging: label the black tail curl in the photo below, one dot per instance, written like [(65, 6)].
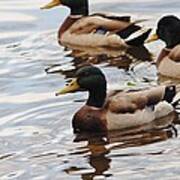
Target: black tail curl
[(140, 40), (170, 94), (176, 106)]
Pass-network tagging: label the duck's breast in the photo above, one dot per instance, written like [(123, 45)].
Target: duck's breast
[(169, 68), (89, 119)]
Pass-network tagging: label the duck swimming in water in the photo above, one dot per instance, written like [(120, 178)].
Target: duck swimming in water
[(119, 109), (97, 30), (168, 30)]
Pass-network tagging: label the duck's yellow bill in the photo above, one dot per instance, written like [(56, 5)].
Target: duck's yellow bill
[(152, 38), (52, 4), (71, 87)]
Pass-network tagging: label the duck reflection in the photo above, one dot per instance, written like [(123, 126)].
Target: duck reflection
[(97, 158), (116, 57), (101, 145)]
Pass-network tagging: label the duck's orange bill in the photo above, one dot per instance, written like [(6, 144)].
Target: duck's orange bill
[(71, 87), (152, 38), (52, 4)]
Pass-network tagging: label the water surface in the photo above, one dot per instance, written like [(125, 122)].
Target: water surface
[(36, 137)]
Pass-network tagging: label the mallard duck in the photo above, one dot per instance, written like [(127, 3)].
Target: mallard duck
[(168, 30), (119, 109), (98, 29)]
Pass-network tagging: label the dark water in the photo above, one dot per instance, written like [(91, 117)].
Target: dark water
[(36, 137)]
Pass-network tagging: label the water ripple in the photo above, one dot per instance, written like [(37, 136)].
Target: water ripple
[(36, 137)]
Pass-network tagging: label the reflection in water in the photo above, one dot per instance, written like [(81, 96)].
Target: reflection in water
[(97, 159), (117, 57), (101, 145), (36, 138)]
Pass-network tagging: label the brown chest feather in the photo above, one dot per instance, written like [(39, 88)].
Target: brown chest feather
[(89, 119), (66, 25), (175, 54)]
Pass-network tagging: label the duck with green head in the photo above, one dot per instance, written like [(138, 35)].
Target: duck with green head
[(168, 30), (82, 29), (119, 109)]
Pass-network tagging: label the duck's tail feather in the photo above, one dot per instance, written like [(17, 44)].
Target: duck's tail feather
[(172, 97), (139, 35), (173, 91), (169, 94), (125, 33), (138, 40), (139, 21), (176, 105)]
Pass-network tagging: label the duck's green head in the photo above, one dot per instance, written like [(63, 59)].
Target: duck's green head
[(91, 79), (78, 7), (168, 30), (88, 78)]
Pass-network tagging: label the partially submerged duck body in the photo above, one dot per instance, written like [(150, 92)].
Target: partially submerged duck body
[(120, 109), (119, 113), (98, 29), (168, 62)]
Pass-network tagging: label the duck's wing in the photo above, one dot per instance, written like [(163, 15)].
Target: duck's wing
[(175, 53), (130, 32), (113, 16), (92, 23), (129, 102)]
